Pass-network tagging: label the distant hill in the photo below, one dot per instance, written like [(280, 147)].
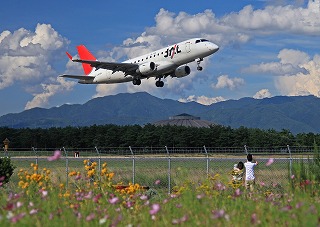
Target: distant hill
[(297, 114)]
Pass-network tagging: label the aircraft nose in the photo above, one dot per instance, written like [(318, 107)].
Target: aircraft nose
[(213, 47)]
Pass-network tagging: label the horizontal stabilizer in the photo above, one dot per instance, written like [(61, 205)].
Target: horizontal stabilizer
[(78, 77)]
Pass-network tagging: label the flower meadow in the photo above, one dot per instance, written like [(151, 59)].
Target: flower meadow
[(92, 198)]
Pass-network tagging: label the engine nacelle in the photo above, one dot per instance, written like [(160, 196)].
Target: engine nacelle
[(182, 71), (146, 68)]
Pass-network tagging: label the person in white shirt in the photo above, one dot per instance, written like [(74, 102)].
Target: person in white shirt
[(250, 178)]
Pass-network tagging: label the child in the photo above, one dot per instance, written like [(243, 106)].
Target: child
[(250, 178), (237, 173)]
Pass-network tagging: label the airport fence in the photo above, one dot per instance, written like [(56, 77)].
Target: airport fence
[(164, 167)]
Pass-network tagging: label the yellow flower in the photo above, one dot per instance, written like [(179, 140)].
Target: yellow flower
[(21, 183)]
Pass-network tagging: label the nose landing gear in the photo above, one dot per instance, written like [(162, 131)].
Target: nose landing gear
[(199, 68)]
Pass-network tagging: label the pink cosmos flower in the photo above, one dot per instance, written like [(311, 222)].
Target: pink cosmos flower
[(180, 220), (269, 162), (19, 204), (218, 214), (237, 192), (88, 196), (262, 184), (56, 156), (33, 211), (154, 208), (143, 197), (200, 196), (90, 217), (292, 177), (157, 182), (96, 198), (16, 218), (254, 219), (114, 200)]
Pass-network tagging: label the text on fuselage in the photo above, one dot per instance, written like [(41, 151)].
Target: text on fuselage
[(170, 52)]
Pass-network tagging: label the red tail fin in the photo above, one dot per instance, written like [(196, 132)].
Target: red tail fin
[(85, 54)]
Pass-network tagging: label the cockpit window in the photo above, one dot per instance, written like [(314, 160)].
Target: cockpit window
[(201, 40)]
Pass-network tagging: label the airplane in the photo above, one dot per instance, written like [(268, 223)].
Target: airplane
[(171, 61)]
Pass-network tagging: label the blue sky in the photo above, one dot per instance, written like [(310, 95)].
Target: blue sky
[(267, 48)]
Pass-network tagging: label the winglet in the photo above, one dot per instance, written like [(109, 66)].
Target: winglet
[(69, 56)]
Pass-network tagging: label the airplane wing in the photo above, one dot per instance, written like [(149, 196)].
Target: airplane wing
[(127, 68), (77, 77)]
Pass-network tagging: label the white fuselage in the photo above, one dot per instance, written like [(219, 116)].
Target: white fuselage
[(167, 60)]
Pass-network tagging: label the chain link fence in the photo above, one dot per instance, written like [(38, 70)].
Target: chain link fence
[(163, 167)]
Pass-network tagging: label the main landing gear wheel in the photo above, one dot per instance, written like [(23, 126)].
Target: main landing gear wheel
[(199, 68), (159, 83), (136, 81)]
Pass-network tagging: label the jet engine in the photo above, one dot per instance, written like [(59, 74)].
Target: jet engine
[(146, 68), (182, 71)]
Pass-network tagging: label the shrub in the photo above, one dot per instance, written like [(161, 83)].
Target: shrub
[(6, 169)]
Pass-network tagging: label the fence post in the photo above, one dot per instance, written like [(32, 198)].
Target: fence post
[(245, 148), (99, 162), (169, 170), (36, 154), (205, 150), (133, 165), (290, 160), (67, 166)]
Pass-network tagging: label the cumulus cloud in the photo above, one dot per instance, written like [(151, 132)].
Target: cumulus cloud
[(290, 63), (302, 84), (225, 82), (273, 19), (263, 93), (25, 58), (48, 90), (202, 99)]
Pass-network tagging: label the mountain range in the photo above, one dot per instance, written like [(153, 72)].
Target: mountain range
[(298, 114)]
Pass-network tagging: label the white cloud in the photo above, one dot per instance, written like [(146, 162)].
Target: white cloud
[(225, 82), (263, 93), (290, 63), (48, 90), (273, 19), (25, 58), (302, 84), (202, 99)]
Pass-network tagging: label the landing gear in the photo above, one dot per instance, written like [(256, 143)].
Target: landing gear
[(136, 81), (199, 68), (159, 83)]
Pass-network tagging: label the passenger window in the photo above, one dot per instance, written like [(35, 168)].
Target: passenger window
[(198, 41)]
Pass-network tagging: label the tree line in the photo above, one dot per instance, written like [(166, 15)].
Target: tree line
[(153, 136)]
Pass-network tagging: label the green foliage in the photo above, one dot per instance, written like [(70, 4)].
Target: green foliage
[(306, 174), (6, 169), (315, 164), (153, 136)]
